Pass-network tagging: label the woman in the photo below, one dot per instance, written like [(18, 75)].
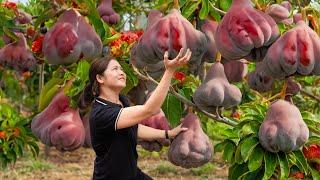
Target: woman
[(114, 125)]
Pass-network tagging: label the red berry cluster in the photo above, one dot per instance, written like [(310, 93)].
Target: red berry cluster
[(126, 39)]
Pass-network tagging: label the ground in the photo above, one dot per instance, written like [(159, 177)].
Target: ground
[(78, 165)]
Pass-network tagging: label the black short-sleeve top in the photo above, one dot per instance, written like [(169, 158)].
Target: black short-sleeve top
[(116, 154)]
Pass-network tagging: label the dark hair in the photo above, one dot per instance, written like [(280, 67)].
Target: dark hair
[(92, 88)]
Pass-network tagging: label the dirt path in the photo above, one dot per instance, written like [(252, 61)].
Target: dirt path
[(78, 165)]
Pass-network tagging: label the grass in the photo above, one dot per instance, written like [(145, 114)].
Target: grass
[(165, 169)]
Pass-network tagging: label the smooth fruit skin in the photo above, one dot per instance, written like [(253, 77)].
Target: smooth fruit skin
[(283, 128), (191, 148), (70, 39), (243, 30)]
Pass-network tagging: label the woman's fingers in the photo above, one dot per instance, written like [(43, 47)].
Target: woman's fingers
[(166, 56)]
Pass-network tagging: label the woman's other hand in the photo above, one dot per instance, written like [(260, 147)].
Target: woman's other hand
[(180, 60), (175, 131)]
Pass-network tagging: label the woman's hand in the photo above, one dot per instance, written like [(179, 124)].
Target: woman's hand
[(175, 131), (171, 65)]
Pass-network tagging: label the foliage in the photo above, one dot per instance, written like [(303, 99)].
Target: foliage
[(30, 92)]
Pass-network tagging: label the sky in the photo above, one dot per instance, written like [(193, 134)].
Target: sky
[(23, 1)]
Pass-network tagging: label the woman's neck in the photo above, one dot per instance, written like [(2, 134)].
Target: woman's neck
[(110, 95)]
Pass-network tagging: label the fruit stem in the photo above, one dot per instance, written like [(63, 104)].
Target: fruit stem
[(218, 57), (258, 5), (284, 89), (218, 10), (310, 95), (176, 4)]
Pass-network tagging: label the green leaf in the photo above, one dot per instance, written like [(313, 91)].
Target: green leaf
[(228, 151), (48, 92), (48, 14), (215, 14), (220, 146), (247, 147), (190, 8), (314, 140), (204, 11), (237, 157), (83, 70), (301, 160), (237, 170), (284, 165), (112, 38), (256, 158), (132, 79), (34, 148), (282, 27), (173, 109), (270, 160), (225, 4), (315, 174)]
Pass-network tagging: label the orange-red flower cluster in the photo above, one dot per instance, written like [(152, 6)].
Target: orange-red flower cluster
[(10, 5), (126, 39)]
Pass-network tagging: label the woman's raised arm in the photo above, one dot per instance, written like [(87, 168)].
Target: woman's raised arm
[(130, 116)]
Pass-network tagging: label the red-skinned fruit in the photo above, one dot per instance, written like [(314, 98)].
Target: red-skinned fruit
[(297, 51), (259, 80), (209, 27), (107, 13), (191, 148), (70, 39), (59, 125), (283, 128), (280, 12), (235, 70), (243, 30), (215, 91), (167, 33), (17, 55), (158, 121)]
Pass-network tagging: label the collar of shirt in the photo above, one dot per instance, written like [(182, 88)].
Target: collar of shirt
[(122, 98)]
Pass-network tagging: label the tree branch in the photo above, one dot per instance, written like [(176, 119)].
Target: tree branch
[(186, 101), (310, 95), (217, 9)]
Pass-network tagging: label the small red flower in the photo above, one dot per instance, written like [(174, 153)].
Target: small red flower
[(297, 175), (3, 135), (37, 45), (30, 32), (129, 37), (10, 5), (313, 151), (139, 33), (16, 132), (235, 115), (180, 76)]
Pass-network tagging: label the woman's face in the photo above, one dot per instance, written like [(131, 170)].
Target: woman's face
[(113, 77)]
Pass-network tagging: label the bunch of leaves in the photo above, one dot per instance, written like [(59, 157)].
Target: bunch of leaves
[(173, 108), (248, 159), (15, 134)]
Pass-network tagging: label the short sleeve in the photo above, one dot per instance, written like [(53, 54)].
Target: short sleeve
[(106, 118)]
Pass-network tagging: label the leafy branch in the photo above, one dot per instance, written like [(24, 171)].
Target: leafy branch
[(186, 101)]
